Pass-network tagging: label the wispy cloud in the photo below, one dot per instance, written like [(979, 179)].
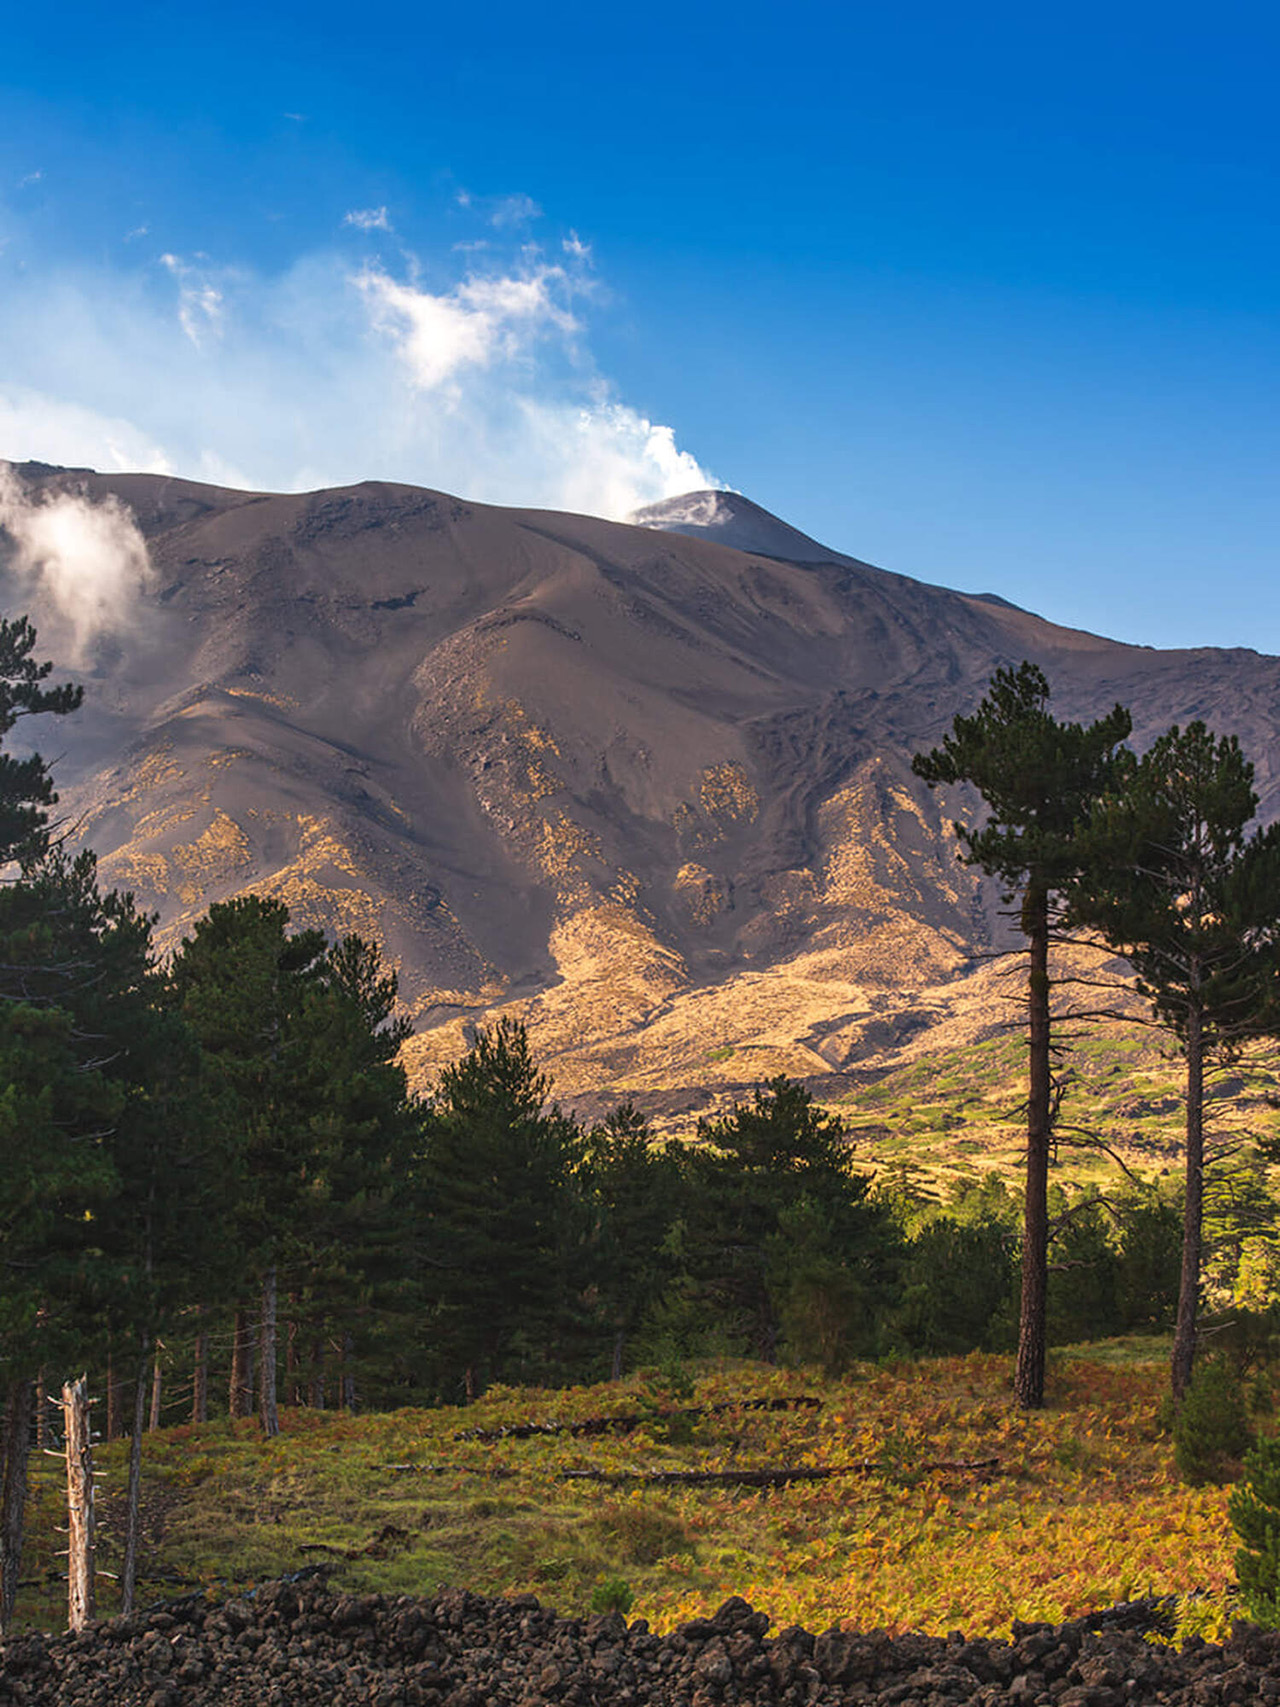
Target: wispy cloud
[(200, 300), (503, 213), (513, 210), (467, 372), (368, 219)]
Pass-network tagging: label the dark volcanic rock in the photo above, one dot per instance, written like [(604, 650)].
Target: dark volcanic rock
[(298, 1642)]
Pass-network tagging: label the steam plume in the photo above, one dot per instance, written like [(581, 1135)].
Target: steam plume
[(89, 558)]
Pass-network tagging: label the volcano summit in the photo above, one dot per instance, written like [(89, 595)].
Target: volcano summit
[(645, 786)]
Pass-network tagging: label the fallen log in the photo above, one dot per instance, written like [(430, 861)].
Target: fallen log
[(775, 1477), (626, 1424)]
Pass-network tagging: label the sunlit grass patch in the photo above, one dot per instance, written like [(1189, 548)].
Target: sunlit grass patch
[(1080, 1508)]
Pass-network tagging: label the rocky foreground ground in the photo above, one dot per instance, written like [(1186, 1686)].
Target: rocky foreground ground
[(299, 1641)]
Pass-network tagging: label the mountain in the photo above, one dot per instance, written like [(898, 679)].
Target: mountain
[(646, 787)]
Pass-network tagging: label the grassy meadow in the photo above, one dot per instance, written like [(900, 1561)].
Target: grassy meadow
[(958, 1114), (1081, 1507)]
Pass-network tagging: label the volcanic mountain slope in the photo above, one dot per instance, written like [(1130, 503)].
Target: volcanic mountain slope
[(648, 788)]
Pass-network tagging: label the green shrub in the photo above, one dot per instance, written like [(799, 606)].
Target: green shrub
[(613, 1594), (1254, 1510), (1211, 1430)]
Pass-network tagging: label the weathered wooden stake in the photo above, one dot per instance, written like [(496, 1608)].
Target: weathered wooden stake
[(80, 1595)]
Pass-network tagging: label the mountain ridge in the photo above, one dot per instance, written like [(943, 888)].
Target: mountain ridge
[(645, 790)]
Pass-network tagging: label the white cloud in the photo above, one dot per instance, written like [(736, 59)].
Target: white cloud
[(368, 219), (481, 321), (89, 557), (469, 373)]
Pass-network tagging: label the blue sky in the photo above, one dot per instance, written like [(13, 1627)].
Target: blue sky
[(986, 295)]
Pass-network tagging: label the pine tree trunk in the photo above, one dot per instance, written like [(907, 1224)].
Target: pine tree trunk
[(129, 1570), (241, 1395), (1184, 1339), (42, 1412), (348, 1375), (267, 1357), (1028, 1379), (317, 1374), (113, 1400), (80, 1586), (13, 1496), (291, 1383), (200, 1377), (156, 1382), (619, 1339)]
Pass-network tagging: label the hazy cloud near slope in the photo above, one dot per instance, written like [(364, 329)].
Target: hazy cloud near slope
[(348, 365), (90, 557)]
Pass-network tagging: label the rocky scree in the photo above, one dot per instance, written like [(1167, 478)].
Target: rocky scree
[(298, 1642)]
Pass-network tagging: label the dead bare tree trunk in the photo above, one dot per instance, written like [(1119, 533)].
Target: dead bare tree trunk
[(129, 1570), (200, 1378), (80, 1585), (241, 1404), (13, 1495), (268, 1411)]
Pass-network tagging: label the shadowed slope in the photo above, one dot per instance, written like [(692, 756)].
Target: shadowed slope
[(650, 790)]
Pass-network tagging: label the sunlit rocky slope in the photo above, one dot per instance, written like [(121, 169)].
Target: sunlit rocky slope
[(646, 787)]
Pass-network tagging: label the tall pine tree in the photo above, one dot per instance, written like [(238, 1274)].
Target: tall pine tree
[(1175, 883), (1041, 781)]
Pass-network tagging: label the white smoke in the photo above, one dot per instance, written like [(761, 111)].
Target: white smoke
[(89, 558), (481, 322), (470, 372)]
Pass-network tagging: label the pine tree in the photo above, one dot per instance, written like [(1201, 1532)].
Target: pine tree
[(1174, 883), (1040, 780), (502, 1217), (31, 1036), (778, 1221), (299, 1041), (632, 1186)]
